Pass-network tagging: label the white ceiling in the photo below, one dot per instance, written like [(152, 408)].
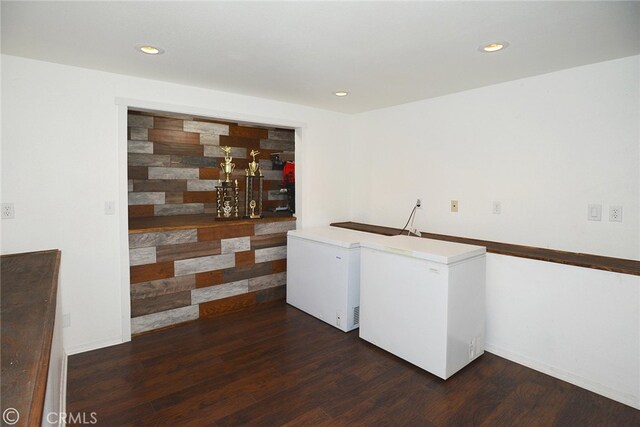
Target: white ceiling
[(383, 53)]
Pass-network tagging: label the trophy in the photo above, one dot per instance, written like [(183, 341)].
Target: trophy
[(253, 207), (253, 166), (227, 167), (227, 192)]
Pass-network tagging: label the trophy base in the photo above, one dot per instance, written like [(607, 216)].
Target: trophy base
[(226, 184), (252, 217)]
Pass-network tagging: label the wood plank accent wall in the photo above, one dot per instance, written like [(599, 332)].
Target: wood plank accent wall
[(174, 162), (182, 274), (597, 262)]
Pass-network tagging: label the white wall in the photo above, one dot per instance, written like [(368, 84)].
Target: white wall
[(545, 147), (578, 324), (61, 162)]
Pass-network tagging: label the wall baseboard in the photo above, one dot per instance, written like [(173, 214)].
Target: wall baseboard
[(618, 396), (93, 345)]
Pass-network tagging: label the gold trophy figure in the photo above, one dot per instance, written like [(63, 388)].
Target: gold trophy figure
[(254, 166), (227, 167)]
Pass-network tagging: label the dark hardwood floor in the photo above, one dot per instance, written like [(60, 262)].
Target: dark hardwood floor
[(274, 365)]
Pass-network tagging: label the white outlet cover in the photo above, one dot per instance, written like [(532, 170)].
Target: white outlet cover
[(8, 212), (497, 208), (615, 213)]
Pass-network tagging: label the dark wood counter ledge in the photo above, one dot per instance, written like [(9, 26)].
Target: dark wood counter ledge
[(617, 265), (29, 288), (182, 222)]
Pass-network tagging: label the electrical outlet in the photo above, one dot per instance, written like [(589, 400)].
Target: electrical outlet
[(7, 211), (497, 208), (419, 204), (615, 213), (338, 319), (66, 320), (454, 206), (472, 349)]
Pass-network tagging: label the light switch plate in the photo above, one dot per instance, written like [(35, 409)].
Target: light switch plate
[(110, 207), (594, 212)]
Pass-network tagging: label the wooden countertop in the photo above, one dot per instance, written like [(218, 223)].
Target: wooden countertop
[(617, 265), (28, 307), (182, 222)]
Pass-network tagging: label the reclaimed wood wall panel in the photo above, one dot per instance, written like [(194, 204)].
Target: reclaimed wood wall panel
[(138, 172), (138, 211), (171, 147), (155, 304), (209, 173), (212, 268), (173, 136), (209, 278), (245, 258), (272, 294), (167, 123), (227, 305), (279, 265), (178, 149), (219, 233), (247, 271), (248, 132), (155, 288), (166, 185), (199, 197), (187, 250), (268, 240), (146, 272)]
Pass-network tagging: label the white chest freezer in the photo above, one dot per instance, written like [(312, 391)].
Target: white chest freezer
[(323, 274), (424, 301)]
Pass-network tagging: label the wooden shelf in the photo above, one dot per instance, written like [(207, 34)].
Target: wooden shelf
[(617, 265), (182, 222)]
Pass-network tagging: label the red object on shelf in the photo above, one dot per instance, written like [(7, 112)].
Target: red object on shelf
[(289, 173)]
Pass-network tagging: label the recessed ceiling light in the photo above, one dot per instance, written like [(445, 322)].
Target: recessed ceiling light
[(493, 47), (150, 50), (341, 93)]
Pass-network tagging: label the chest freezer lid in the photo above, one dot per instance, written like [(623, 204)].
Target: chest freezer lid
[(432, 250), (333, 236)]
